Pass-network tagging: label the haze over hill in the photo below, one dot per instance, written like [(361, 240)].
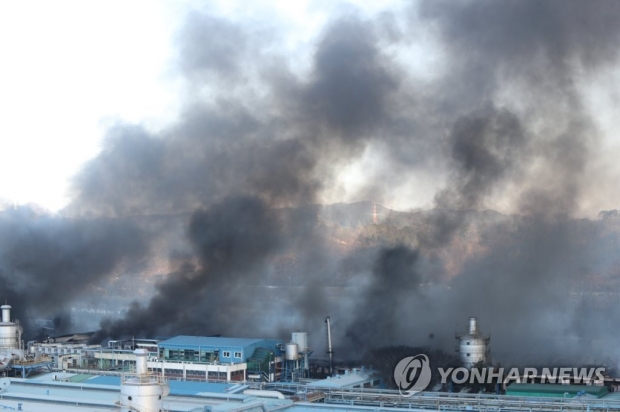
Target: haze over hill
[(383, 283)]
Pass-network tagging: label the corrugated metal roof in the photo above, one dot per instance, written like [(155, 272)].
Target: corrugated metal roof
[(216, 341), (612, 396), (176, 387), (194, 388), (42, 396), (541, 389), (343, 381), (105, 380)]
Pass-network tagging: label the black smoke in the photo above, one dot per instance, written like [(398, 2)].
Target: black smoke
[(501, 123), (233, 241), (528, 154), (395, 277), (46, 261)]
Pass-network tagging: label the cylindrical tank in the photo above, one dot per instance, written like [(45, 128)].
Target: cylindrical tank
[(10, 332), (472, 350), (473, 326), (6, 313), (143, 391), (141, 367), (301, 339), (10, 336), (292, 352), (473, 347)]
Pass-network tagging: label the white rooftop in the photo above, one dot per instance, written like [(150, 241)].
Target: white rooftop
[(47, 395), (344, 381)]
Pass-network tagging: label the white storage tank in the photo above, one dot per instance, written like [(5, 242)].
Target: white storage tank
[(10, 332), (473, 346), (143, 391), (301, 339), (291, 352)]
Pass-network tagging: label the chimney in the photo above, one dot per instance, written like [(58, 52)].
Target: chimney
[(141, 355), (6, 313), (473, 326)]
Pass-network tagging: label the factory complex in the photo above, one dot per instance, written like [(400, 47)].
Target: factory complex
[(196, 358), (228, 374)]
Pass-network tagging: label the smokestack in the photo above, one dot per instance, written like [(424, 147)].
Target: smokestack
[(6, 313), (330, 351), (141, 355), (473, 326)]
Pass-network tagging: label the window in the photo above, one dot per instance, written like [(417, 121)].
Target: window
[(237, 354), (226, 354)]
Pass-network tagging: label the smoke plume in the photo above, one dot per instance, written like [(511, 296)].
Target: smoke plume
[(493, 115)]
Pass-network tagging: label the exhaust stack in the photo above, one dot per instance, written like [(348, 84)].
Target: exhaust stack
[(6, 313), (473, 326), (330, 351)]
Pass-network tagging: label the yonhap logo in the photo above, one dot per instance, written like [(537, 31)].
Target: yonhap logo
[(412, 374)]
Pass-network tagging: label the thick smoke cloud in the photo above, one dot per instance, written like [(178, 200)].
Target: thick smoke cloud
[(215, 154), (529, 154), (485, 149), (394, 266), (233, 241), (47, 259), (259, 145)]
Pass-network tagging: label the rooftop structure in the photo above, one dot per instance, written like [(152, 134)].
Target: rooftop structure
[(555, 390), (356, 378), (212, 349), (143, 391), (100, 394)]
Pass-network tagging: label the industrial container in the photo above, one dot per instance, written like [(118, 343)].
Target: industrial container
[(292, 352), (301, 339)]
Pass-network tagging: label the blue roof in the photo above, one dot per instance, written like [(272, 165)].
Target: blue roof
[(217, 341), (176, 387), (193, 388)]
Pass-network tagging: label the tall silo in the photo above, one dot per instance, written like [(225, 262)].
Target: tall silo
[(473, 346)]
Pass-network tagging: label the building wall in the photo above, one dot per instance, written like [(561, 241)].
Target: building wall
[(222, 353)]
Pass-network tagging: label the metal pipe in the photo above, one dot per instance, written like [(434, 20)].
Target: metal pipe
[(330, 350)]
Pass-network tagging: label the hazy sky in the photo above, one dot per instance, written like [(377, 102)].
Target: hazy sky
[(68, 68), (71, 69)]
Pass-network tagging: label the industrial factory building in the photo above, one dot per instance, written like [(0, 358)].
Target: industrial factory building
[(194, 373), (200, 358), (219, 357), (213, 349)]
